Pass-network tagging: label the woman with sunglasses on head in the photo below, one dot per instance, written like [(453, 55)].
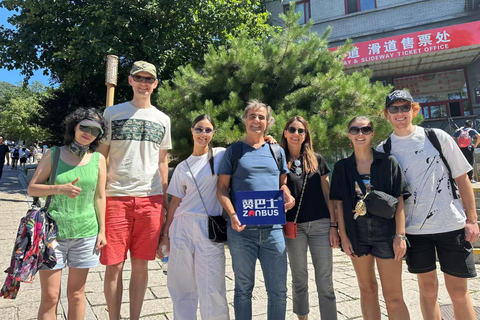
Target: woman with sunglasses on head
[(196, 272), (78, 207), (315, 217), (366, 238)]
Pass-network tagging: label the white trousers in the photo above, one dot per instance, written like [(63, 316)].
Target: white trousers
[(196, 270)]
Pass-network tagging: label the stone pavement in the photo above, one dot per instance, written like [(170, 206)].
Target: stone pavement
[(157, 305)]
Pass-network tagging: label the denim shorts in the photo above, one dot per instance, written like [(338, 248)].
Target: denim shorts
[(76, 253), (375, 236), (455, 254)]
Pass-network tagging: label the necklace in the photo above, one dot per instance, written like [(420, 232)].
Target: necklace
[(78, 149), (296, 167)]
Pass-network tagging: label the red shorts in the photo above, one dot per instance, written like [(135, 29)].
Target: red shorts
[(132, 224)]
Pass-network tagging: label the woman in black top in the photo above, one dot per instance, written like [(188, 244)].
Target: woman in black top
[(366, 238), (317, 226)]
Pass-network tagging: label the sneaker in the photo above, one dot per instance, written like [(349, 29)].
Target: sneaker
[(473, 181)]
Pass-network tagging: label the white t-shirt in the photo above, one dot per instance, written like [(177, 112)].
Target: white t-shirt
[(431, 208), (135, 137), (182, 185)]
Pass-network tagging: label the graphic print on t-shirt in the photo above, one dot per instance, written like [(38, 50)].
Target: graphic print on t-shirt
[(137, 129)]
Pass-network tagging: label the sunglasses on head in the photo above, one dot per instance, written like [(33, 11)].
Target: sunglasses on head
[(356, 130), (148, 80), (300, 131), (199, 130), (94, 131), (403, 108)]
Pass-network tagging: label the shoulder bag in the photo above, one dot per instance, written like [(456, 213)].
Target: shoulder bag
[(290, 228), (217, 225)]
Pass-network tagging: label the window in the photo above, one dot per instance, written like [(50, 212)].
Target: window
[(440, 94), (303, 7), (352, 6)]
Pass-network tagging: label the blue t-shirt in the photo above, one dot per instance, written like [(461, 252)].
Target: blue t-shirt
[(256, 170)]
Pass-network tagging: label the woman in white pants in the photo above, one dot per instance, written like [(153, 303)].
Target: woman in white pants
[(196, 271)]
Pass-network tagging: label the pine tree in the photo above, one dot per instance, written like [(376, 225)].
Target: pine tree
[(292, 70)]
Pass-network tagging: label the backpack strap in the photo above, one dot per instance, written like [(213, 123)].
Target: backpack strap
[(387, 145), (237, 153), (277, 155), (432, 137)]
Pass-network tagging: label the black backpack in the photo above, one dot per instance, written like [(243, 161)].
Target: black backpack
[(432, 137), (16, 153)]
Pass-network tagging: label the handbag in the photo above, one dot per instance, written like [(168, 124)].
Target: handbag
[(290, 228), (217, 225), (377, 202)]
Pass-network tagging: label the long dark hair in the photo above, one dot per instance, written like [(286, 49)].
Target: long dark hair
[(77, 116), (210, 144), (309, 160)]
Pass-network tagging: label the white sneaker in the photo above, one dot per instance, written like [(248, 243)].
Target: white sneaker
[(473, 181)]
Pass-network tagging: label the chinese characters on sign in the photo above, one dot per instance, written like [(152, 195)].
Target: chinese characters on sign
[(260, 207), (414, 43)]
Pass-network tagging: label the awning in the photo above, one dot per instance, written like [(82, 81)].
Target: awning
[(439, 48)]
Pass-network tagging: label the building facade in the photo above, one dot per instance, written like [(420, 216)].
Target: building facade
[(430, 47)]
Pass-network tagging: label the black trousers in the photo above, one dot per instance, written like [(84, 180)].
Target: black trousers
[(1, 169), (468, 152)]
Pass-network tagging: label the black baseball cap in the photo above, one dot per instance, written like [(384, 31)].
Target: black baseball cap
[(398, 95)]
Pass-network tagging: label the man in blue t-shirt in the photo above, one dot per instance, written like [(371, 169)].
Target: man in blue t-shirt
[(468, 148), (256, 170)]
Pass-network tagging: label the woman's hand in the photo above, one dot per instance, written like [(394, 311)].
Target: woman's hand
[(101, 241), (270, 140), (347, 247), (333, 236), (70, 190), (165, 241), (399, 248)]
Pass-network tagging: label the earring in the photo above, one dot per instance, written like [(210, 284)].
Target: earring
[(373, 144), (350, 145)]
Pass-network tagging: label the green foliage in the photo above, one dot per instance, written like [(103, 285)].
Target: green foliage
[(292, 70), (20, 111), (5, 86)]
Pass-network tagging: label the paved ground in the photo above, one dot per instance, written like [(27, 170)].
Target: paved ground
[(157, 305)]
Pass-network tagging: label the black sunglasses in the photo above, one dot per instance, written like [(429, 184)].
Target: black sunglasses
[(199, 130), (94, 131), (299, 130), (356, 130), (403, 108), (148, 80)]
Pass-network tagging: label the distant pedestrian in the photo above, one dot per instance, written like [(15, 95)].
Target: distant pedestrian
[(464, 137), (15, 156), (4, 154), (24, 153)]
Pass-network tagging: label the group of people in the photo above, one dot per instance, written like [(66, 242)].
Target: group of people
[(103, 213), (19, 155)]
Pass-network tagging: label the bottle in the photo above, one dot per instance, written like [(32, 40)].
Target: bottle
[(165, 259)]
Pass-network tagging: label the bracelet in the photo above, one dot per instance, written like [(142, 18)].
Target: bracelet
[(471, 222), (401, 236), (334, 227), (334, 224)]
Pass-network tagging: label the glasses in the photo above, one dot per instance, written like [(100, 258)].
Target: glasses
[(403, 108), (94, 131), (148, 80), (356, 130), (299, 130), (207, 131)]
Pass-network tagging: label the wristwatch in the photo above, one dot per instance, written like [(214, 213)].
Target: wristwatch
[(333, 224)]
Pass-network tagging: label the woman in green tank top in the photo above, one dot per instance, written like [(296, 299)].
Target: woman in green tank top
[(78, 207)]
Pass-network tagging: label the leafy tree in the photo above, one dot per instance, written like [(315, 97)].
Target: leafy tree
[(292, 70), (5, 86), (20, 110)]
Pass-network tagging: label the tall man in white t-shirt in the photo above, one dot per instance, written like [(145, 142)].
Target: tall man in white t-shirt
[(137, 143), (436, 221)]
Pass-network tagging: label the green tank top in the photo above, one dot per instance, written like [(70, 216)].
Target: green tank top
[(76, 218)]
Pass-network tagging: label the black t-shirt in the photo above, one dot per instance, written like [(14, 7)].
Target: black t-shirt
[(313, 205), (3, 150)]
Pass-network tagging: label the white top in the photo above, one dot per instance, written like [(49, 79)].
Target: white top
[(135, 137), (182, 185), (431, 208)]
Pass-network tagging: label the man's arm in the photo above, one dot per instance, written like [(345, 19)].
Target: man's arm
[(163, 168), (7, 155), (477, 140), (289, 199), (104, 149), (468, 198), (224, 198)]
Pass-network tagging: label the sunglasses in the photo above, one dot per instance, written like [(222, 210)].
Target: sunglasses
[(356, 130), (403, 108), (299, 130), (148, 80), (207, 131), (94, 131)]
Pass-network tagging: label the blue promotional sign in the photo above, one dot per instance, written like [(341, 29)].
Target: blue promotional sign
[(260, 207)]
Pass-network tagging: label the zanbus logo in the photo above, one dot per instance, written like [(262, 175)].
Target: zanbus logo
[(261, 207)]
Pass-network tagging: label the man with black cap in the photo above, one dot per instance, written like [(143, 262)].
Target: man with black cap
[(464, 137), (435, 219), (137, 142)]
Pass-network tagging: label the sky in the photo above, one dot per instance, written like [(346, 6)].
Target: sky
[(14, 76)]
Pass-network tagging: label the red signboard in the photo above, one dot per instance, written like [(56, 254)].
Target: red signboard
[(439, 39)]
